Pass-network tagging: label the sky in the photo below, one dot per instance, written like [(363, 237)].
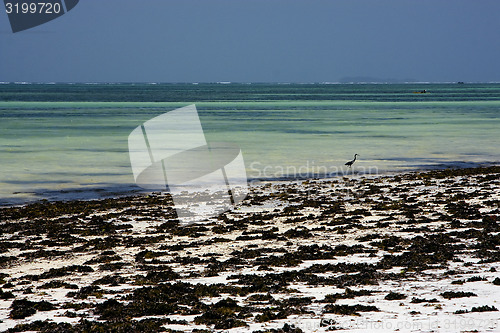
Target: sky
[(258, 41)]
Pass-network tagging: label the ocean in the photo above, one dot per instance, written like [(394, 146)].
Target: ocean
[(69, 141)]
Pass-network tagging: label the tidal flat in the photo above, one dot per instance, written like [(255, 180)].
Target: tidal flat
[(415, 251)]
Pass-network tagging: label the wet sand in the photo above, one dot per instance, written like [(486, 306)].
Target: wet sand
[(407, 252)]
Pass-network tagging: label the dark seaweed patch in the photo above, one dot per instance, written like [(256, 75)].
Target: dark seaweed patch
[(457, 294), (299, 232), (22, 308), (87, 291), (58, 284), (271, 314), (103, 259), (3, 276), (349, 293), (423, 300), (260, 298), (112, 266), (59, 272), (6, 294), (389, 243), (223, 315), (111, 280), (484, 308), (476, 278), (149, 325), (349, 309), (423, 251), (5, 260), (462, 210), (391, 296)]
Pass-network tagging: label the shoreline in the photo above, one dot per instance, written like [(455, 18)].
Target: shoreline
[(411, 251), (131, 190)]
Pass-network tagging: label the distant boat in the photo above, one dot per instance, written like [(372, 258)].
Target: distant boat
[(460, 82), (421, 92)]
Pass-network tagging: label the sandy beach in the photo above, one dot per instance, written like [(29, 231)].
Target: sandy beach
[(405, 252)]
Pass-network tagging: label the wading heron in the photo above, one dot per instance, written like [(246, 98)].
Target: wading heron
[(350, 163)]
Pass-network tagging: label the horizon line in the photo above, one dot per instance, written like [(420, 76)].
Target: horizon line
[(242, 82)]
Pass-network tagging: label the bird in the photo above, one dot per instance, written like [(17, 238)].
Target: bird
[(350, 163)]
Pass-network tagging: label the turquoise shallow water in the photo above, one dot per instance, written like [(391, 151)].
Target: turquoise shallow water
[(62, 141)]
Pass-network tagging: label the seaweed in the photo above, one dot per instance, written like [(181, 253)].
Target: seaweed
[(311, 252), (5, 260), (111, 280), (457, 294), (329, 324), (476, 278), (392, 296), (112, 266), (103, 258), (304, 226), (349, 293), (349, 309), (6, 294), (462, 210), (423, 300), (112, 309), (22, 308), (60, 272), (122, 325), (389, 243), (423, 251), (368, 237), (146, 254), (87, 291), (483, 308), (58, 284), (260, 298), (223, 315), (298, 232), (271, 314), (3, 276), (277, 282)]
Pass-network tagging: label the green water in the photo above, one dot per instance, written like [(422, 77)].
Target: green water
[(70, 140)]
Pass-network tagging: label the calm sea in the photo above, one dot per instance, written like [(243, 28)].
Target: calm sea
[(62, 141)]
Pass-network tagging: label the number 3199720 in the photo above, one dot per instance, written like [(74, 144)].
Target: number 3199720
[(33, 8)]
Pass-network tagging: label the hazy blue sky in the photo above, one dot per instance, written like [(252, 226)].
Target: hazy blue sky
[(258, 41)]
